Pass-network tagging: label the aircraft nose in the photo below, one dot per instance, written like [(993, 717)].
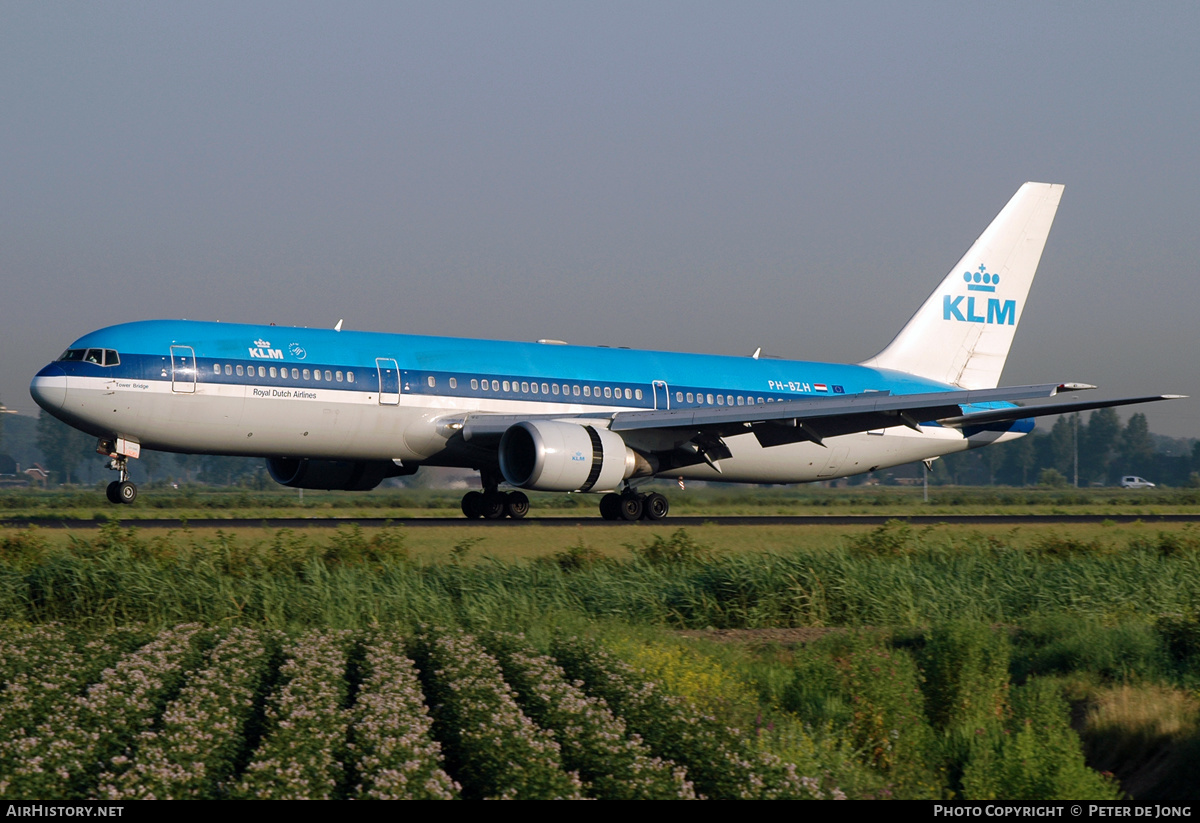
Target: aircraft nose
[(49, 388)]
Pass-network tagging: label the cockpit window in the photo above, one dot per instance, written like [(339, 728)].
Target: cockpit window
[(101, 357)]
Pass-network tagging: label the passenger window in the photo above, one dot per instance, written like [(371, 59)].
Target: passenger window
[(637, 394), (546, 389), (607, 391), (575, 390), (505, 384), (429, 380), (349, 377), (710, 399), (556, 388), (307, 374), (524, 387), (240, 371), (720, 400), (533, 387), (587, 391), (678, 397), (216, 368), (741, 400), (328, 376), (495, 385), (453, 382), (474, 384), (273, 372), (295, 374), (760, 400), (337, 375)]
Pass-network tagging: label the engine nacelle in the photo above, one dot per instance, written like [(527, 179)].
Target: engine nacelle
[(340, 475), (553, 456)]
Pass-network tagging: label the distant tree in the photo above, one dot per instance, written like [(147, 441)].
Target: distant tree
[(1136, 449), (1020, 461), (1062, 447), (1097, 442), (1052, 478), (63, 448), (151, 462)]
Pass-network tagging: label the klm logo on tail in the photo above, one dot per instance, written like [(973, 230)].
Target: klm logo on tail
[(998, 312)]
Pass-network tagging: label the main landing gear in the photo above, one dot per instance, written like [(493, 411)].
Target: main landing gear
[(631, 505), (493, 504), (123, 490)]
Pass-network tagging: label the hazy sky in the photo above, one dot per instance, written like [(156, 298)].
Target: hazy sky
[(688, 176)]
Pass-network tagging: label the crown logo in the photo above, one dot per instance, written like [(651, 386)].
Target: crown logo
[(262, 344), (981, 280)]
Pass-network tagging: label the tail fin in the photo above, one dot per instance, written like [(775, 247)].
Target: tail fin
[(961, 335)]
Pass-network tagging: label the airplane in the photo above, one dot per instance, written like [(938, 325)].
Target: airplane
[(340, 409)]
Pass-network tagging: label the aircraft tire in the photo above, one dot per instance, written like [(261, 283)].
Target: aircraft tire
[(655, 506), (111, 492), (631, 507), (126, 491), (493, 505), (610, 506), (472, 505), (516, 505)]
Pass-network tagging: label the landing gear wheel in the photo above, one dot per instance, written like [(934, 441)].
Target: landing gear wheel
[(655, 506), (111, 492), (631, 507), (472, 505), (610, 506), (516, 505), (493, 505), (126, 491)]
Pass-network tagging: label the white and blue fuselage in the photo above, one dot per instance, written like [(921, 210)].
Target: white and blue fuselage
[(278, 392)]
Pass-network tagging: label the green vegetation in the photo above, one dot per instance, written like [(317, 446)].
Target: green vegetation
[(876, 662)]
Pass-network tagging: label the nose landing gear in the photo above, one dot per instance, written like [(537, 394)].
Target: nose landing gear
[(123, 490)]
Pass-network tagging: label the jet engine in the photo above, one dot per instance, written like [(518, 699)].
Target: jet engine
[(342, 475), (549, 455)]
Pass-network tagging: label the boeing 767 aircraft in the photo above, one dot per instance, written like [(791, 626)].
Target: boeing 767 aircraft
[(333, 409)]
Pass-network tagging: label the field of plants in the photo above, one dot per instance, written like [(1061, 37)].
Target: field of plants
[(886, 662)]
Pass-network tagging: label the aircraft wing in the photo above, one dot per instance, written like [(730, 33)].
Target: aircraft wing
[(793, 421), (699, 431)]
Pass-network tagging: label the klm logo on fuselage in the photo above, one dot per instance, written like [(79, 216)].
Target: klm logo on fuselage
[(262, 349), (967, 308)]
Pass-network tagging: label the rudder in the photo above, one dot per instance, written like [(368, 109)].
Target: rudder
[(962, 333)]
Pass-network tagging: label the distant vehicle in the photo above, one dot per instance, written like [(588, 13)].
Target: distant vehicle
[(1130, 481)]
